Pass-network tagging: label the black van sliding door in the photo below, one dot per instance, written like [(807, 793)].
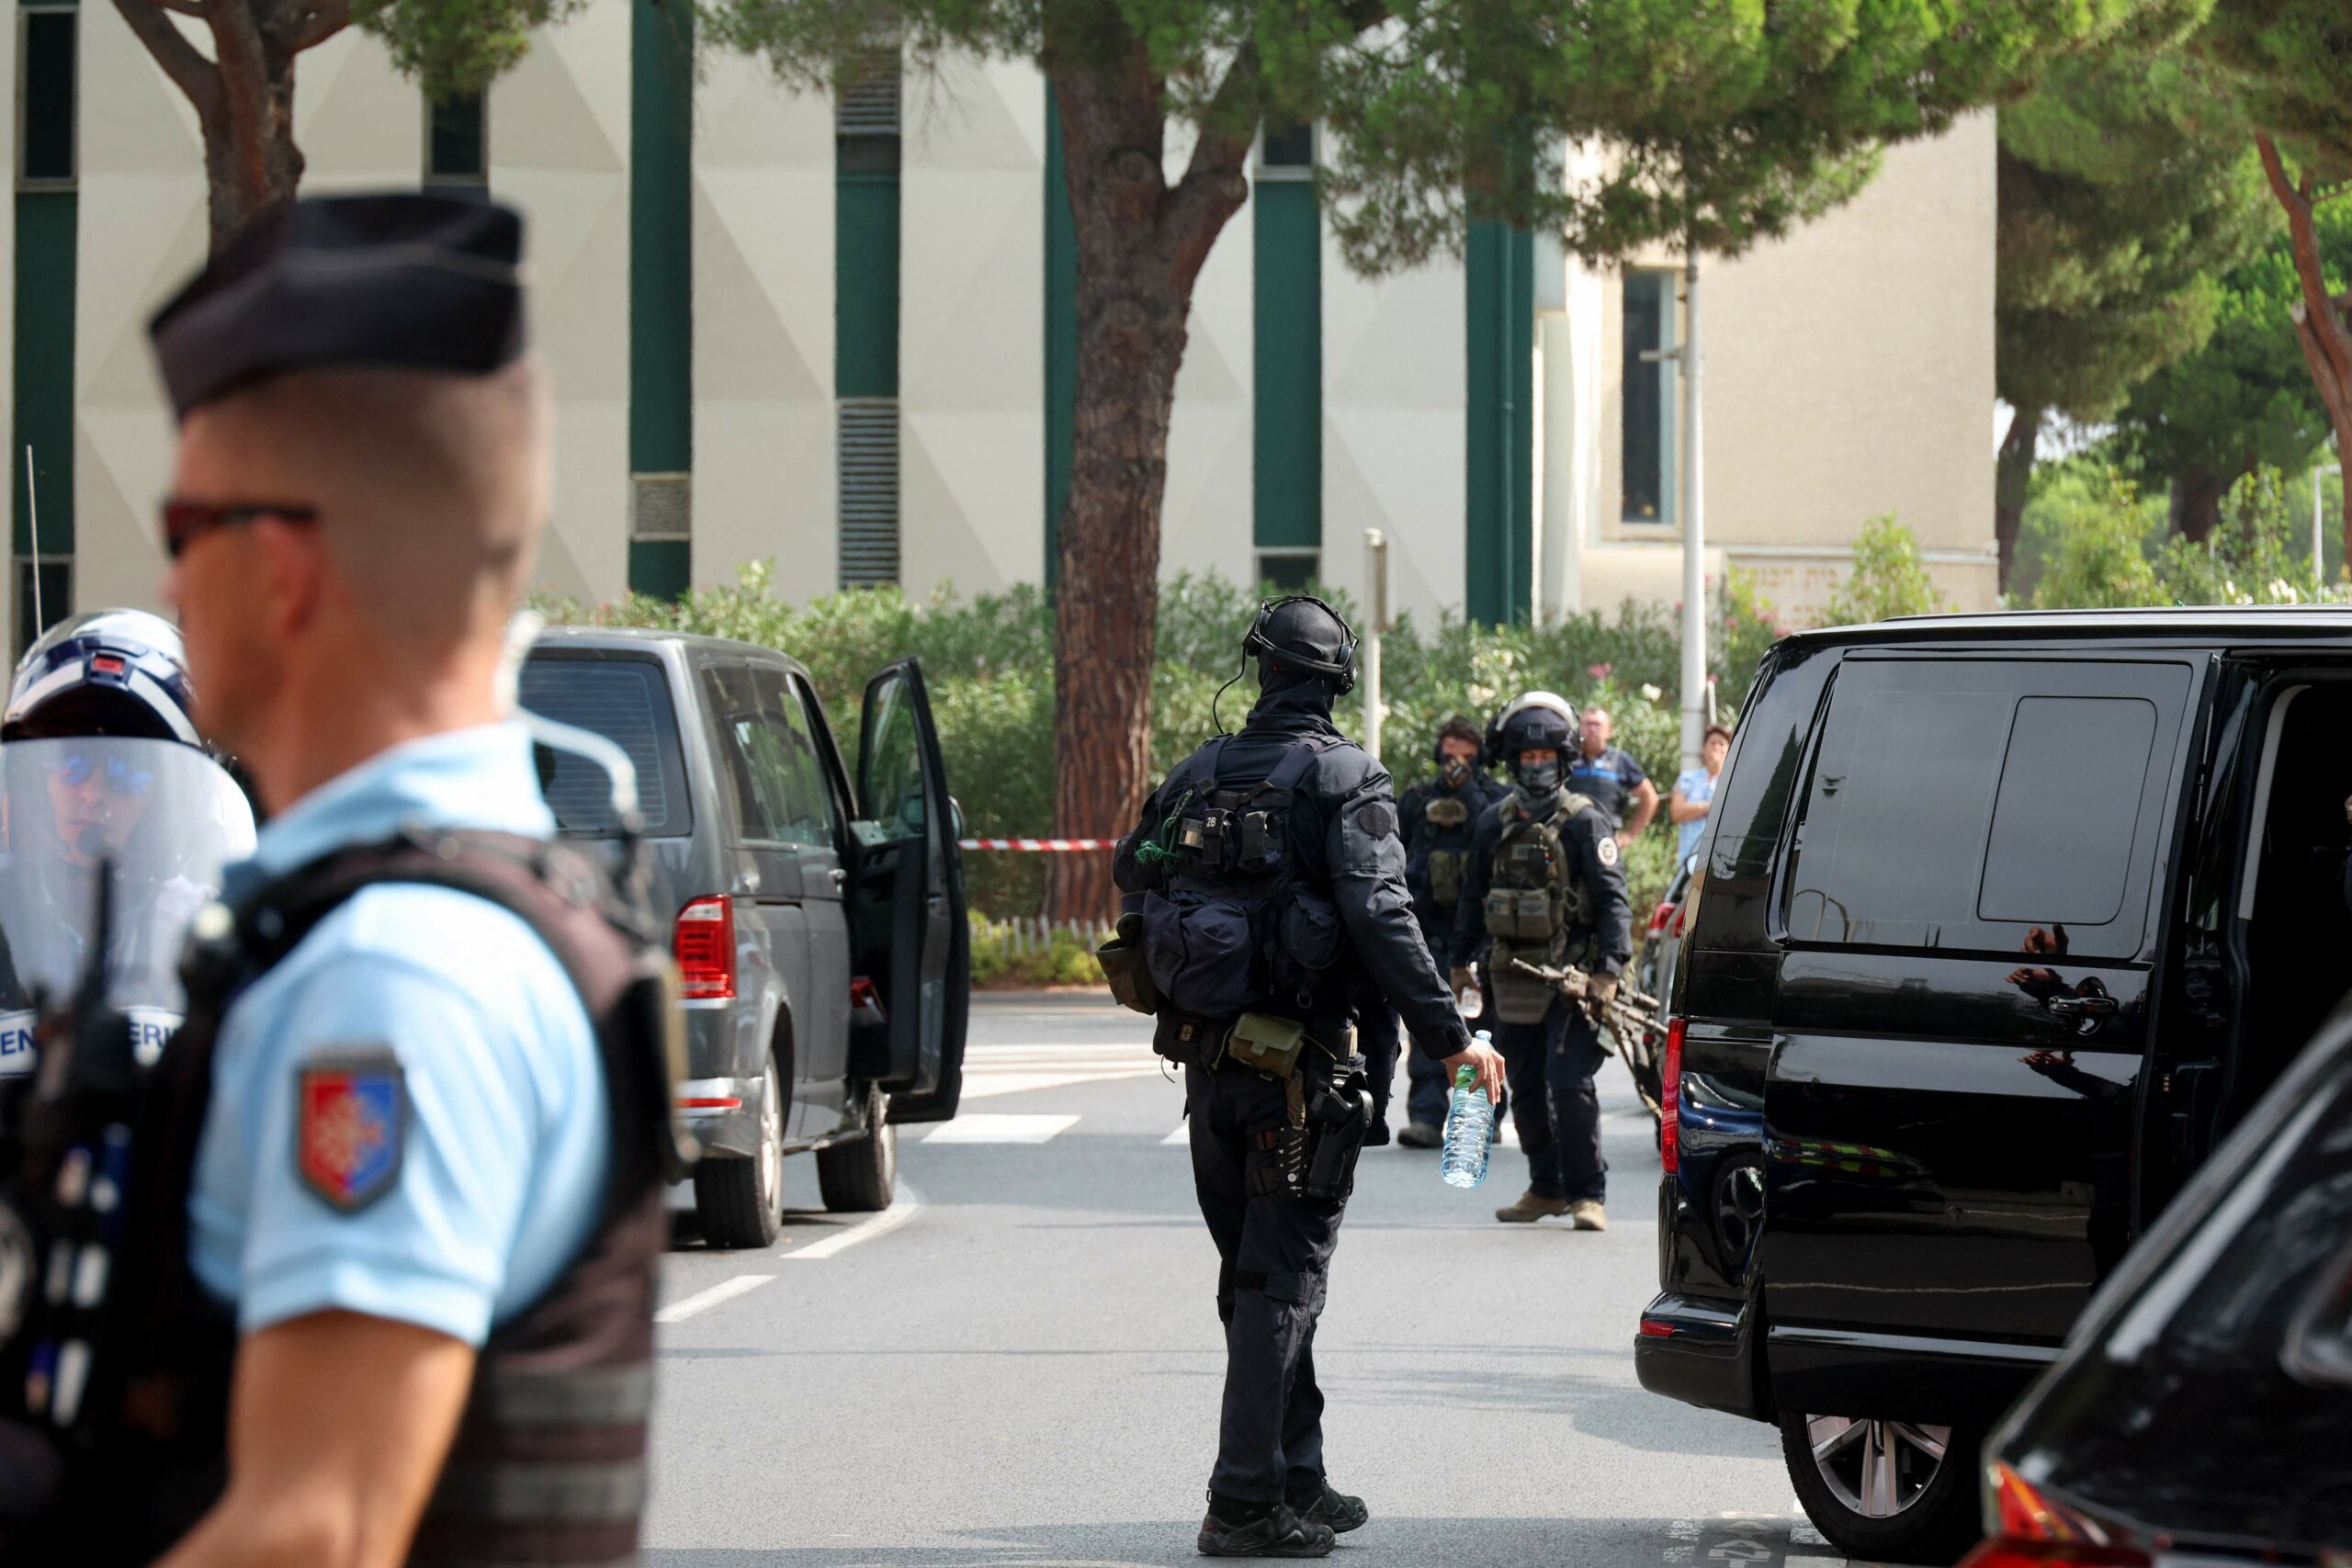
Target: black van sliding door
[(1967, 930)]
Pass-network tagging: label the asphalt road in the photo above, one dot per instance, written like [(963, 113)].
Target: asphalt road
[(1019, 1364)]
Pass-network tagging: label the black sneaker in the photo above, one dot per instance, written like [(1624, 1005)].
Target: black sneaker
[(1281, 1533), (1335, 1511), (1421, 1136)]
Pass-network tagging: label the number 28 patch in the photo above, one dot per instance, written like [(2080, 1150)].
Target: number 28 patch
[(351, 1125)]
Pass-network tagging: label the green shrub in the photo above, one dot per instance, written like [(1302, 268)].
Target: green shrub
[(988, 662), (1002, 961), (1888, 578)]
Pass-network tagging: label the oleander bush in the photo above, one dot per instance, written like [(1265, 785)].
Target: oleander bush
[(988, 662)]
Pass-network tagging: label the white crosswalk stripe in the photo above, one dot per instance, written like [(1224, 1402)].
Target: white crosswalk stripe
[(990, 1071), (991, 1128)]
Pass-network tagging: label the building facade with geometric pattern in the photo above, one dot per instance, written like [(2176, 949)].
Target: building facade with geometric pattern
[(838, 336)]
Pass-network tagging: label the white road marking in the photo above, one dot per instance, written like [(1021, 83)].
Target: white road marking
[(1000, 1129), (1181, 1135), (993, 1070), (703, 1301), (908, 1201)]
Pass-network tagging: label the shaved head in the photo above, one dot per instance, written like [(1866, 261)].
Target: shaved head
[(430, 489), (388, 614)]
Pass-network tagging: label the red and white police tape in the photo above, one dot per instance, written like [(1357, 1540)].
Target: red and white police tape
[(1039, 846)]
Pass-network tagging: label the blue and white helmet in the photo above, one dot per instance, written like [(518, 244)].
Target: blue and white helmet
[(1536, 719), (103, 672)]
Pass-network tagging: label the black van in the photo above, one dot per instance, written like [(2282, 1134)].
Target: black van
[(2003, 921)]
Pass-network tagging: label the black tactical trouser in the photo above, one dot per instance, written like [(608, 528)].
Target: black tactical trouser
[(1555, 1107), (1380, 1039), (1273, 1256)]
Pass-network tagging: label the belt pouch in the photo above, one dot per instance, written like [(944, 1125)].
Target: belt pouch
[(1123, 968), (1266, 1043)]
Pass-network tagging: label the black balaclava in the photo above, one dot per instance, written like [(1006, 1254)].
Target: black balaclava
[(1537, 782)]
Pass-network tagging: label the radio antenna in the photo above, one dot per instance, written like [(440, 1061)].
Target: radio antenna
[(32, 516)]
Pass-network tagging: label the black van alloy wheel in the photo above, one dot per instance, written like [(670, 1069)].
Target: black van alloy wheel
[(1885, 1489), (741, 1202)]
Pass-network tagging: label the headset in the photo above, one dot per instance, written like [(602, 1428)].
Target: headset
[(1340, 671)]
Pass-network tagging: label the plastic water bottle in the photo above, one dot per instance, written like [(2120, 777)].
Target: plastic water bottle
[(1469, 1131)]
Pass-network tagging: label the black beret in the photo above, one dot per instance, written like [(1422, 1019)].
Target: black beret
[(406, 281)]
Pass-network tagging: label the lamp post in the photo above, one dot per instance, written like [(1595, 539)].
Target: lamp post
[(1694, 527)]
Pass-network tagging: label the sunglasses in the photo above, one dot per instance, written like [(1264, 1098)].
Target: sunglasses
[(186, 522), (76, 768)]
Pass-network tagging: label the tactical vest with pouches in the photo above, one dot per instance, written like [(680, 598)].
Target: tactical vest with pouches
[(548, 1464), (1235, 929), (1537, 907), (1449, 816)]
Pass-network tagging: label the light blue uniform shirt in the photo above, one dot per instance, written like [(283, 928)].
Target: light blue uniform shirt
[(1697, 785), (504, 1157)]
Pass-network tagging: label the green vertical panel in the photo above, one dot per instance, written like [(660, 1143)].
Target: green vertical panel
[(46, 226), (1061, 337), (1519, 417), (865, 286), (663, 568), (660, 314), (1288, 406), (1498, 492)]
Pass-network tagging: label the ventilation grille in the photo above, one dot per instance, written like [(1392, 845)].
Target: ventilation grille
[(662, 507), (869, 475), (866, 103)]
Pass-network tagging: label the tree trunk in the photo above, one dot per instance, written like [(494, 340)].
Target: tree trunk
[(2013, 479), (2321, 327), (2196, 505), (1140, 246), (243, 95)]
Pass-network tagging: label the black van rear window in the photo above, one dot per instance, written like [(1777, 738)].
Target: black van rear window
[(627, 701), (1988, 804)]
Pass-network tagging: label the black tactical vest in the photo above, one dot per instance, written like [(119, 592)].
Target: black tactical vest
[(548, 1465), (1234, 926), (1538, 907)]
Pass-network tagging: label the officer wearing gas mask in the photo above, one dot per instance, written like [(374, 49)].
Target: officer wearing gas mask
[(1436, 819), (1543, 884), (1266, 894)]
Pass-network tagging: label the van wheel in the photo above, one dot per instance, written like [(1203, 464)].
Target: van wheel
[(1885, 1489), (861, 1177), (742, 1200)]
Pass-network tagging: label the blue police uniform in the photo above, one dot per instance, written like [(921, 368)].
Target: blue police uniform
[(460, 1209), (1608, 780)]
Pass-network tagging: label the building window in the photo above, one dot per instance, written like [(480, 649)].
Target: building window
[(1651, 388), (1287, 153), (456, 142), (1292, 571), (46, 65)]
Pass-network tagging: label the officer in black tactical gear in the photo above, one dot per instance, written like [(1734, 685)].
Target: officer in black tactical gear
[(1544, 886), (1436, 819), (1266, 895)]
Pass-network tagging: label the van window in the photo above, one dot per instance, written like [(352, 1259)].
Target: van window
[(1968, 804), (771, 766), (627, 701)]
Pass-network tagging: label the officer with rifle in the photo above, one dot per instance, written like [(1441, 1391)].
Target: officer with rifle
[(1546, 891), (1435, 818), (384, 1221), (1266, 900)]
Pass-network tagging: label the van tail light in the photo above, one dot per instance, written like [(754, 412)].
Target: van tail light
[(705, 950), (1669, 1098), (1660, 918), (2037, 1531)]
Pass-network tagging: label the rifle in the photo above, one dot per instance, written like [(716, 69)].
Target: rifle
[(1632, 1025)]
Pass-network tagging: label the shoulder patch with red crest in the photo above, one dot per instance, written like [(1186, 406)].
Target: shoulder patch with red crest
[(351, 1125)]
